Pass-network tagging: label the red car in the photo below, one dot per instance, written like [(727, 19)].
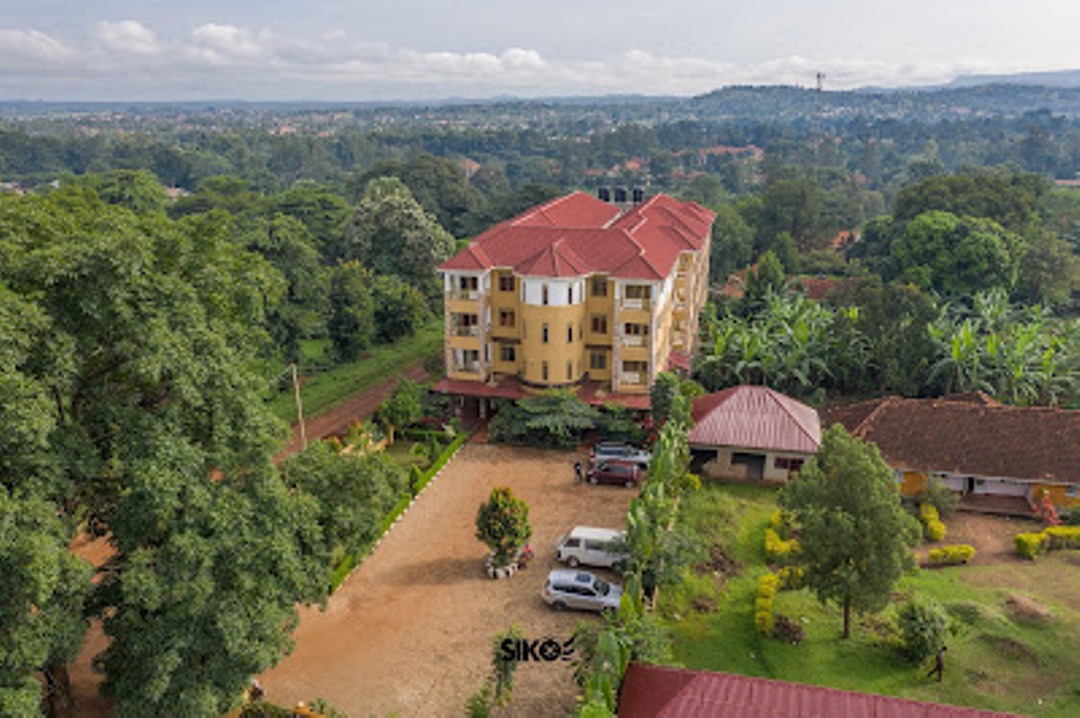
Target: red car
[(622, 473)]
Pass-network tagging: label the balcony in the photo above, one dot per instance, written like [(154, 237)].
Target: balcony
[(637, 304), (466, 367), (633, 340), (472, 330), (465, 294)]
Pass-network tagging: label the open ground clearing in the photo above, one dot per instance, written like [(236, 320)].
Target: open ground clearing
[(410, 632)]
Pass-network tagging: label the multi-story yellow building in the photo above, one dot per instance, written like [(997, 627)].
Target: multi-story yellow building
[(577, 292)]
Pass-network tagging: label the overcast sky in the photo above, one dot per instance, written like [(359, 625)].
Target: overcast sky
[(426, 49)]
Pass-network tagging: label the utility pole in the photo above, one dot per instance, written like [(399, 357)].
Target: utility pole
[(299, 407)]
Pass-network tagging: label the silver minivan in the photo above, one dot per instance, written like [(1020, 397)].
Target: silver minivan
[(589, 546)]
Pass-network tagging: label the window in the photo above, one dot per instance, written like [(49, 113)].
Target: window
[(636, 330), (598, 323), (599, 287), (570, 294), (507, 354), (467, 284), (569, 333), (545, 334), (638, 291), (639, 367), (569, 370), (544, 370), (579, 334), (506, 282), (792, 465), (506, 317), (598, 360), (544, 295)]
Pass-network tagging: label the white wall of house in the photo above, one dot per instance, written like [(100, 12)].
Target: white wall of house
[(724, 466), (561, 292)]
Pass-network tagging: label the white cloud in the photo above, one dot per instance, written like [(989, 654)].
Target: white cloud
[(129, 57), (128, 36), (222, 44), (32, 45)]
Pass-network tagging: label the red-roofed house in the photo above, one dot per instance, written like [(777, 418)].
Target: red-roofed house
[(752, 432), (662, 692), (577, 291), (974, 445)]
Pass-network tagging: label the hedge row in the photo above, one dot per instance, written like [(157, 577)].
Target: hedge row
[(792, 578), (763, 601), (343, 569), (782, 522), (777, 550), (951, 555), (1030, 545), (933, 527)]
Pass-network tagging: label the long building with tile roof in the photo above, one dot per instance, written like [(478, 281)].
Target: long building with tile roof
[(577, 291)]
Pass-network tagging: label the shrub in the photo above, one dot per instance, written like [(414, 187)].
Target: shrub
[(788, 630), (951, 555), (941, 497), (1062, 537), (933, 528), (777, 550), (792, 578), (922, 625), (766, 591), (1029, 545), (782, 522), (763, 622)]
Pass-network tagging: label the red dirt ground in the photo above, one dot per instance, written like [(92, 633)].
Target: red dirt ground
[(991, 536), (410, 632), (358, 406)]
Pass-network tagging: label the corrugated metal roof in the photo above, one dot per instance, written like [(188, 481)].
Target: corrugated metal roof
[(662, 692), (755, 417)]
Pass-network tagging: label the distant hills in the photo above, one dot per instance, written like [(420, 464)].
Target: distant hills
[(1055, 78)]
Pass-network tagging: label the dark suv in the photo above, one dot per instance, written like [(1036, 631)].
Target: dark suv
[(612, 471), (606, 450)]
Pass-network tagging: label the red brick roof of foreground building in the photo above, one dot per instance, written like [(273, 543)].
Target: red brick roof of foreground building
[(662, 692), (578, 235), (969, 434), (755, 417)]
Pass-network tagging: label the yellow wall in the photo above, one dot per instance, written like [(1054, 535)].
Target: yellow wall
[(1058, 494), (914, 483), (557, 351)]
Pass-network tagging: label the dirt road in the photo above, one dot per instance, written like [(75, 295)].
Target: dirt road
[(359, 406), (410, 632)]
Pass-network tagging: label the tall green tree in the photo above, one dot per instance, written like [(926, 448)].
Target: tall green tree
[(855, 536), (352, 310), (502, 523), (162, 442), (392, 234)]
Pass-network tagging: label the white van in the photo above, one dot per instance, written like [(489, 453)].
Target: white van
[(589, 546)]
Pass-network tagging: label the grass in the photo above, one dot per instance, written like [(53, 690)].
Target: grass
[(997, 660), (321, 392)]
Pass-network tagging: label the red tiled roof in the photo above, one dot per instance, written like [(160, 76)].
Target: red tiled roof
[(754, 417), (969, 434), (577, 235), (679, 360), (662, 692)]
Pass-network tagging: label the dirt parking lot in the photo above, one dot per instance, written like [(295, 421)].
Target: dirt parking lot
[(410, 632)]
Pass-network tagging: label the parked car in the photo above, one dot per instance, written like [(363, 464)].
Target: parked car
[(589, 546), (581, 590), (623, 452), (614, 471)]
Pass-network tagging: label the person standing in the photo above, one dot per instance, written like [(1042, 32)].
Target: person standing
[(578, 475), (939, 664)]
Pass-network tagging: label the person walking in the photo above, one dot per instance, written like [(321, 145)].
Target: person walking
[(939, 664), (578, 475)]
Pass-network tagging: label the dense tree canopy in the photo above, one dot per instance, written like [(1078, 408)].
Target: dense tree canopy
[(143, 330)]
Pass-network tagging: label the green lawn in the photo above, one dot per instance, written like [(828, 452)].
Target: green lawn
[(997, 660), (322, 391)]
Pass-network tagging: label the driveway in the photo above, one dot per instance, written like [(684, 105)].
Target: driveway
[(410, 632)]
